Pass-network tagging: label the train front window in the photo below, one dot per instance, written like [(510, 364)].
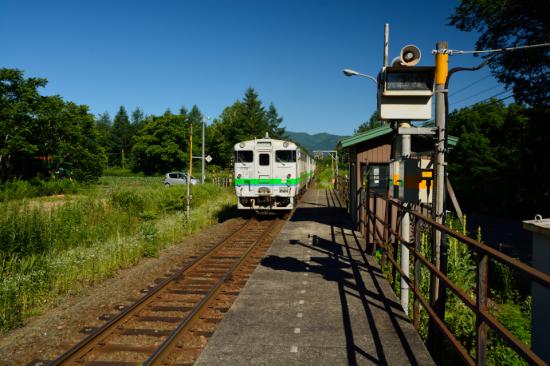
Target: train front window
[(264, 159), (285, 156), (244, 156)]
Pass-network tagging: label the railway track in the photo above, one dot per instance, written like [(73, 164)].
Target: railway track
[(172, 322)]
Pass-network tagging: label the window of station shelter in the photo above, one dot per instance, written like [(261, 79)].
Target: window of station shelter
[(244, 156), (377, 177), (285, 156), (264, 159)]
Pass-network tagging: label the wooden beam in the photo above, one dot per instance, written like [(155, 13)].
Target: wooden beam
[(456, 205)]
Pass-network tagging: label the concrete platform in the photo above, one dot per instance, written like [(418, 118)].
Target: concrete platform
[(316, 300)]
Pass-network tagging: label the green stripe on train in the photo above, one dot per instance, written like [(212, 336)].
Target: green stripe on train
[(275, 181)]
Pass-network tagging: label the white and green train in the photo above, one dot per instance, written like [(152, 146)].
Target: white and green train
[(270, 174)]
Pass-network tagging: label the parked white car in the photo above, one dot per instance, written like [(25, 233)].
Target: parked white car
[(175, 178)]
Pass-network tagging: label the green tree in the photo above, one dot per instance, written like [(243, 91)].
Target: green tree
[(121, 138), (498, 161), (103, 127), (160, 146), (79, 143), (373, 122), (20, 102), (138, 118), (38, 133), (245, 119), (508, 23), (183, 111), (274, 123)]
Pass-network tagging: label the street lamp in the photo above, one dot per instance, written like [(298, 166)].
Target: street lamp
[(350, 72)]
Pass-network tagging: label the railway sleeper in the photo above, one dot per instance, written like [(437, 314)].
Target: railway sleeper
[(161, 319), (187, 292), (146, 332), (182, 309), (119, 347)]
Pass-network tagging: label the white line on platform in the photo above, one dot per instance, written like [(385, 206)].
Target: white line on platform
[(297, 330), (301, 302), (306, 274), (299, 315), (304, 282), (302, 291), (294, 349)]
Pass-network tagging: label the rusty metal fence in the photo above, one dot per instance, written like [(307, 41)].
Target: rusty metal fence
[(222, 181), (381, 224)]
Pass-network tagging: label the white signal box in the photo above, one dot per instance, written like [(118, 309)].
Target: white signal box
[(405, 93)]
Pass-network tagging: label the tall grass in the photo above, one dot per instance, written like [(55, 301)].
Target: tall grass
[(324, 175), (47, 251), (18, 189), (505, 302)]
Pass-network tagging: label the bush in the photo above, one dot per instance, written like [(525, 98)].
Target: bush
[(149, 234), (47, 250), (19, 189), (115, 171), (128, 200)]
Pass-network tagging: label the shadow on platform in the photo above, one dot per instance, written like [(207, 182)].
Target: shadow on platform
[(348, 266)]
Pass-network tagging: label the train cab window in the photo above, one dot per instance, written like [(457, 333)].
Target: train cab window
[(244, 156), (285, 156), (264, 159)]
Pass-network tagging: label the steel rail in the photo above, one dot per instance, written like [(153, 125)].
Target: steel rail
[(87, 344), (165, 349)]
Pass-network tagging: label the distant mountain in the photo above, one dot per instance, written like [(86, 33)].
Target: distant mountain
[(319, 141)]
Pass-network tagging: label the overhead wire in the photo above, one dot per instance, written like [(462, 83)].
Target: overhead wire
[(494, 50), (469, 85), (491, 97), (476, 94)]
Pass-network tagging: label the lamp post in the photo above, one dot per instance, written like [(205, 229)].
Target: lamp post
[(350, 72)]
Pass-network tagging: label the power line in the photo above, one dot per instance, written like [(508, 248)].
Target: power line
[(491, 97), (469, 85), (506, 49), (476, 94)]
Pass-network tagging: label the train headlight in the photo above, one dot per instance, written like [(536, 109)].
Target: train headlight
[(241, 145), (239, 176), (285, 144), (288, 176)]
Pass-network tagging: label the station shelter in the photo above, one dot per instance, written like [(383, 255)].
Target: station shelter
[(374, 160)]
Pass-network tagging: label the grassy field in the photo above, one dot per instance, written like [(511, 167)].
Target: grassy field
[(54, 245)]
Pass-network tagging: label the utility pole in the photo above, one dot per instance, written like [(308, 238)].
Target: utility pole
[(202, 152), (405, 228), (336, 181), (386, 44), (189, 170), (190, 149), (439, 245)]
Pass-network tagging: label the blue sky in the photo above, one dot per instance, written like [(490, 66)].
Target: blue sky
[(164, 54)]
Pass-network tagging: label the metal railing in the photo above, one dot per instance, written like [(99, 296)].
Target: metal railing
[(381, 226), (222, 181), (342, 187)]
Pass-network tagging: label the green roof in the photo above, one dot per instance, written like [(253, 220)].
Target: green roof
[(377, 132), (365, 136)]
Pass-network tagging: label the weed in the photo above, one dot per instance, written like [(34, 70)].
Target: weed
[(49, 250)]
